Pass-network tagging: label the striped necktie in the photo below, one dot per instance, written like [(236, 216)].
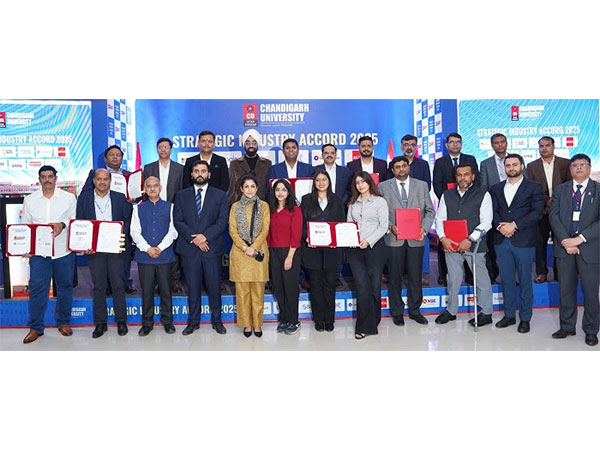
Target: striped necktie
[(199, 201)]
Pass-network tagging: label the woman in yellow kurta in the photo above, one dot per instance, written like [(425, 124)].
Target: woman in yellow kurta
[(249, 256)]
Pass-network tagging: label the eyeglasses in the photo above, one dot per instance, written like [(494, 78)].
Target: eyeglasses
[(404, 144), (579, 166), (454, 142)]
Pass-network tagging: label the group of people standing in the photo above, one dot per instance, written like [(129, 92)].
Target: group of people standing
[(187, 209)]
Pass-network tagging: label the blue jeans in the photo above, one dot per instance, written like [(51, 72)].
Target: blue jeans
[(41, 270), (511, 258)]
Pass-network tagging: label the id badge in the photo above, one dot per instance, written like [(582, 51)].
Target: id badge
[(576, 216)]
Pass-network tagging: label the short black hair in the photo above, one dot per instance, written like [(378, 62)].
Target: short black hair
[(576, 157), (456, 135), (514, 155), (328, 145), (494, 136), (164, 139), (408, 137), (201, 161), (551, 139), (110, 148), (463, 165), (399, 159), (365, 138), (45, 169), (288, 140), (206, 133)]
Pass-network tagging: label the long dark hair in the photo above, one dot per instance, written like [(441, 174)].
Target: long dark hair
[(369, 180), (314, 209), (290, 201)]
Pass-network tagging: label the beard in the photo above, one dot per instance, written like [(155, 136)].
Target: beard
[(200, 181), (514, 174), (251, 152)]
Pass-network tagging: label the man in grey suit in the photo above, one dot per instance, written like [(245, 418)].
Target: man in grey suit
[(170, 174), (492, 172), (405, 192), (575, 221)]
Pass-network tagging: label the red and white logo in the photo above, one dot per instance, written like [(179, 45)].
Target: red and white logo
[(250, 114), (2, 119), (514, 113)]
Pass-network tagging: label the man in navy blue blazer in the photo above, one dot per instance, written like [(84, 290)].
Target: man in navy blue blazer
[(101, 203), (340, 175), (291, 167), (518, 205), (201, 216)]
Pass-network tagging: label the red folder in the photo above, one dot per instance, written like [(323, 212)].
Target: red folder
[(375, 177), (95, 228), (33, 227), (332, 231), (451, 185), (408, 223), (456, 230)]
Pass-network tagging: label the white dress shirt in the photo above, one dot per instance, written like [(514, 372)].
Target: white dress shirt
[(292, 171), (367, 167), (511, 189), (332, 171), (102, 206), (140, 242), (163, 176), (203, 194), (485, 216), (549, 170), (406, 182), (59, 208)]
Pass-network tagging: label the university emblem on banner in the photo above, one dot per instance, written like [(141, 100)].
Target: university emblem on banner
[(514, 113), (2, 119), (250, 114)]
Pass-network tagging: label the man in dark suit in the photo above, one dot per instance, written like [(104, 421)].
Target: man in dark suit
[(103, 204), (575, 221), (201, 215), (291, 167), (518, 206), (218, 165), (367, 161), (550, 171), (444, 174), (339, 175), (493, 172), (170, 174)]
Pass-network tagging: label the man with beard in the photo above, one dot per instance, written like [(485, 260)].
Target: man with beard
[(550, 171), (473, 204), (249, 163), (518, 206), (219, 175), (201, 216), (55, 207), (367, 161)]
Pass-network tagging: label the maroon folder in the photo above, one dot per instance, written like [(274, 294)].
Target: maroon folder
[(408, 223)]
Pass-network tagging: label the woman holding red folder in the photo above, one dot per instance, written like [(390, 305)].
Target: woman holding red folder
[(369, 209), (321, 263)]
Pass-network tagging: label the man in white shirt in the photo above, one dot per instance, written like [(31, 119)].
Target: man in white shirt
[(55, 207)]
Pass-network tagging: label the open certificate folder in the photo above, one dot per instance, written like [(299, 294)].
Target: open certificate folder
[(130, 185), (95, 235), (333, 234), (33, 239), (408, 223), (456, 230)]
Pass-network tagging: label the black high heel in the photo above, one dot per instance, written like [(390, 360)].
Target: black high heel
[(258, 333), (248, 333)]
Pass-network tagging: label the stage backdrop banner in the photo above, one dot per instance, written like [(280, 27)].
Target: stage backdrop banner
[(37, 133), (572, 123), (311, 122)]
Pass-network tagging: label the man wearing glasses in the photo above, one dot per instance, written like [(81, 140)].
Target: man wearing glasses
[(444, 173)]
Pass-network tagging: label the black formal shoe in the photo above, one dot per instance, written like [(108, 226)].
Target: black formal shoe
[(398, 320), (122, 328), (169, 328), (442, 281), (319, 326), (100, 329), (482, 319), (190, 329), (444, 317), (419, 318), (591, 339), (562, 334), (505, 322), (219, 328), (282, 326), (523, 327), (144, 331), (108, 292), (248, 333), (130, 290), (176, 287), (329, 327), (258, 333)]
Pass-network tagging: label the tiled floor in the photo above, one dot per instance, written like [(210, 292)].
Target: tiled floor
[(458, 335)]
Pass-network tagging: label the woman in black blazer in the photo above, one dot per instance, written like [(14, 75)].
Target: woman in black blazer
[(321, 263)]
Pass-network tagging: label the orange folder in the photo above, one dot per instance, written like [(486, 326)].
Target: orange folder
[(408, 223)]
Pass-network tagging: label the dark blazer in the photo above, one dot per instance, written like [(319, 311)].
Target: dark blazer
[(589, 220), (443, 172), (120, 208), (319, 258), (560, 174), (342, 181), (379, 166), (212, 223), (526, 209), (280, 171), (219, 174), (174, 183), (89, 183), (238, 168)]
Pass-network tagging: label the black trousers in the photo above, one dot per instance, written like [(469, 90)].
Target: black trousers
[(285, 283), (197, 268), (367, 267), (573, 267), (322, 294), (541, 248), (106, 267), (411, 259), (490, 257), (150, 275)]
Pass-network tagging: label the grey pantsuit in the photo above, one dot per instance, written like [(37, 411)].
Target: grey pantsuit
[(455, 277)]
